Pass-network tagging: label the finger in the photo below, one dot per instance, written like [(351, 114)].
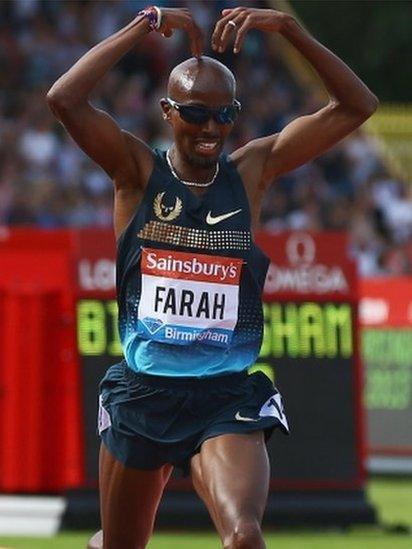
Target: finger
[(241, 35), (196, 39), (231, 27), (220, 25), (198, 46), (217, 32), (165, 29)]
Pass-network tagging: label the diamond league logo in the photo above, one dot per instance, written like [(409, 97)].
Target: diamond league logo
[(304, 274), (152, 324)]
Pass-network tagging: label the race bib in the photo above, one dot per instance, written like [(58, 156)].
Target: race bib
[(188, 297)]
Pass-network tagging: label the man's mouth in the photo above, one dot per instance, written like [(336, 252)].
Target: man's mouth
[(207, 146)]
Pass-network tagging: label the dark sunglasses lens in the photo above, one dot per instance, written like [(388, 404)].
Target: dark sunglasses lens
[(200, 115), (226, 115), (194, 115)]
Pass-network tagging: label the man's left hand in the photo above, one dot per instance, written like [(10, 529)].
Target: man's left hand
[(240, 21)]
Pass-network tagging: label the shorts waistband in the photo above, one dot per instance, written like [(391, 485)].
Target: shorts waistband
[(168, 382)]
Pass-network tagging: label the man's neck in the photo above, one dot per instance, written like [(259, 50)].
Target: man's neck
[(189, 171)]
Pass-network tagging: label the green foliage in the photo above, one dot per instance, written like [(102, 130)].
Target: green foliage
[(373, 36)]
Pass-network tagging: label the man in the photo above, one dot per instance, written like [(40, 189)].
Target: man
[(189, 276)]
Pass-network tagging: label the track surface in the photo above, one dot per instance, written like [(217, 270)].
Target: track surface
[(393, 499)]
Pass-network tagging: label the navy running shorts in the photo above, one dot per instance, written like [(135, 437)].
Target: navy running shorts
[(146, 421)]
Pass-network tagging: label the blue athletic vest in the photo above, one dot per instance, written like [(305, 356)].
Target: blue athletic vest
[(190, 278)]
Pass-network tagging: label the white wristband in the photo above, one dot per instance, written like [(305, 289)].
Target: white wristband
[(159, 17)]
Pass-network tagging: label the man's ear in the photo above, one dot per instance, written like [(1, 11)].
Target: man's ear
[(165, 106)]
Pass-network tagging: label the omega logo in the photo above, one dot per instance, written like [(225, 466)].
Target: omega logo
[(300, 249)]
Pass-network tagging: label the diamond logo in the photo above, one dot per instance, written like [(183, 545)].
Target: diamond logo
[(152, 324)]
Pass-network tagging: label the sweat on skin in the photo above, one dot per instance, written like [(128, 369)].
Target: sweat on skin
[(201, 81)]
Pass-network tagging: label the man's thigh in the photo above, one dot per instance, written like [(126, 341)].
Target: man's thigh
[(129, 499), (231, 474)]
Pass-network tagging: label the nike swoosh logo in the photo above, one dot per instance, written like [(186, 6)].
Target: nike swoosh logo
[(212, 220), (244, 418)]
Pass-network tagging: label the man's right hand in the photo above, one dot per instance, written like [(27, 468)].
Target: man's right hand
[(181, 18)]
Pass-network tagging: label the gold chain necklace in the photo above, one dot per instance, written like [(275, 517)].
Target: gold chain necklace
[(191, 183)]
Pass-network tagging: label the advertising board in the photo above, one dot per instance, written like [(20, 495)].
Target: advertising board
[(386, 319), (309, 348)]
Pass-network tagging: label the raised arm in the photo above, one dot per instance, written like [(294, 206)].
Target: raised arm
[(350, 101), (116, 151)]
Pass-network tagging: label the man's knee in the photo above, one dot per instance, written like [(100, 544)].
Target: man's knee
[(245, 534)]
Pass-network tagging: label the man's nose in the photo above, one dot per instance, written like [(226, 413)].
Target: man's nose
[(211, 127)]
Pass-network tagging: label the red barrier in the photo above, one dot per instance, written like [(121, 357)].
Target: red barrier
[(43, 388), (41, 429), (386, 303)]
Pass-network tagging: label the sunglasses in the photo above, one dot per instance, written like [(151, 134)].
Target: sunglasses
[(197, 114)]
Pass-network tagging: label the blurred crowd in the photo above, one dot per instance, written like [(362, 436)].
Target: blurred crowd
[(45, 180)]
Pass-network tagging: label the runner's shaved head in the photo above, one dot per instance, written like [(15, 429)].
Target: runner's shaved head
[(202, 75)]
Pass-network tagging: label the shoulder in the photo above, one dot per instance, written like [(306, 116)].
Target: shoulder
[(251, 158)]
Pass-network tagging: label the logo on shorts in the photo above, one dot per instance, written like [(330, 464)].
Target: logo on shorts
[(103, 420), (244, 418), (166, 213), (273, 407)]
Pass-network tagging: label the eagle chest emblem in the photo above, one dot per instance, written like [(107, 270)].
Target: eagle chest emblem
[(166, 213)]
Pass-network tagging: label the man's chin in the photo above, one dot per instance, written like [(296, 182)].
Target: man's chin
[(203, 161)]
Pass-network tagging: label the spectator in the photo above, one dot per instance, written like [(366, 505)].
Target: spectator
[(46, 181)]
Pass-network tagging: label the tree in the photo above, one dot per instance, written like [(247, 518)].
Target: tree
[(374, 37)]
